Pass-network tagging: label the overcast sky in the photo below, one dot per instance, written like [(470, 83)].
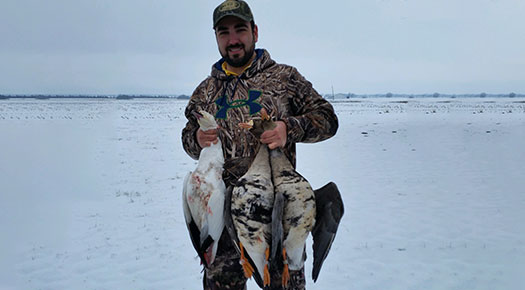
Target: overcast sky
[(357, 46)]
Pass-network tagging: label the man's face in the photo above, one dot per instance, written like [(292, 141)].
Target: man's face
[(236, 40)]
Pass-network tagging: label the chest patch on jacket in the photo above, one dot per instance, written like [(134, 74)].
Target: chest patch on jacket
[(251, 102)]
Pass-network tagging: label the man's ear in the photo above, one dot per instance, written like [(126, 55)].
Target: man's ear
[(255, 33)]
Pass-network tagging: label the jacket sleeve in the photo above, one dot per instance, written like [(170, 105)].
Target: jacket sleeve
[(313, 118), (189, 132)]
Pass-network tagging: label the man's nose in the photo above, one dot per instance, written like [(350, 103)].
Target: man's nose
[(233, 39)]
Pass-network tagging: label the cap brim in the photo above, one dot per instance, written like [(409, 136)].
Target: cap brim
[(244, 18)]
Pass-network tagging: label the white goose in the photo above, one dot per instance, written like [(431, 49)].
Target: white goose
[(203, 196)]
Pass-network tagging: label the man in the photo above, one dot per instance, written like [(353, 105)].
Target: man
[(242, 82)]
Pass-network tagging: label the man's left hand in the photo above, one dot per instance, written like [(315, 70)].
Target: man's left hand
[(275, 137)]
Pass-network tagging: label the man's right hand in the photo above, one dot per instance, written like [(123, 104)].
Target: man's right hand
[(206, 138)]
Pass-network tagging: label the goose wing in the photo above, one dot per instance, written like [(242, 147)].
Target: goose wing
[(214, 219), (193, 229), (330, 210)]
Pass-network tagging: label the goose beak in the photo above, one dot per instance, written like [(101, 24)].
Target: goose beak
[(264, 115), (197, 115), (247, 126)]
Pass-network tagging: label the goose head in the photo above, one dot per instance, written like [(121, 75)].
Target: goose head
[(259, 124), (206, 120)]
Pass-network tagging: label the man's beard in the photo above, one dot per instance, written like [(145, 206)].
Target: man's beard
[(239, 62)]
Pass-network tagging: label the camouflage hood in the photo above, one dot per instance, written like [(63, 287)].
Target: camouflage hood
[(279, 88)]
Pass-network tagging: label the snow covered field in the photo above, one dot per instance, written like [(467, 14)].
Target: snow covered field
[(433, 189)]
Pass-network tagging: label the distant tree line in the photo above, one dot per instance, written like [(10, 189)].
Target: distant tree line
[(433, 95), (326, 96)]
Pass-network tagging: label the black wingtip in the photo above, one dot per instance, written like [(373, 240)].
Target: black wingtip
[(195, 238), (228, 222), (277, 225), (330, 210)]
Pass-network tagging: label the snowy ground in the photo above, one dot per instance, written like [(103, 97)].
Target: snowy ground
[(433, 188)]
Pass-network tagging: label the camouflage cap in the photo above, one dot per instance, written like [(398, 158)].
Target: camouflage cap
[(237, 8)]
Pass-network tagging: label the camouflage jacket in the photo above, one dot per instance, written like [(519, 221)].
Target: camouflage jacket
[(280, 89)]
